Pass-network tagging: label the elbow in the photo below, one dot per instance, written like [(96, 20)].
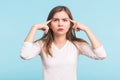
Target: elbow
[(24, 57), (100, 53), (101, 57)]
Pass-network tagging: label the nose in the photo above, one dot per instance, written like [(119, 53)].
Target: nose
[(60, 23)]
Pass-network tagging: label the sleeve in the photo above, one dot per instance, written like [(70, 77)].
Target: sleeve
[(30, 50), (98, 53)]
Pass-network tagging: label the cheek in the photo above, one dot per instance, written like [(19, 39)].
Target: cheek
[(52, 26), (67, 25)]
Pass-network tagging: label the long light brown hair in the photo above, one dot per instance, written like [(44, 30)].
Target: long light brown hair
[(49, 37)]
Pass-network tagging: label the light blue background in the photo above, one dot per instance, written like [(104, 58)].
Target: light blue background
[(17, 17)]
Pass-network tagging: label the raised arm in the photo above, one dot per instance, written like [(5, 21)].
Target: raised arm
[(35, 27), (96, 49), (29, 48), (95, 43)]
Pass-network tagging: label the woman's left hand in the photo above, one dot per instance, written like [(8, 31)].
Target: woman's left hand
[(78, 26)]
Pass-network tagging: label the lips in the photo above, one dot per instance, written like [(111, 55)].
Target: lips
[(60, 29)]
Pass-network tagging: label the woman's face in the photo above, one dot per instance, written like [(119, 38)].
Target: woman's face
[(60, 23)]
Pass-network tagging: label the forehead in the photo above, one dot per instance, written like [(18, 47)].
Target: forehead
[(61, 14)]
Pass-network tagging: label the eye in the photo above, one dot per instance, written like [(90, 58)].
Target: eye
[(65, 20), (55, 20)]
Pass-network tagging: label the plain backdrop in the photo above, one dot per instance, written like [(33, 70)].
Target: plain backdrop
[(17, 17)]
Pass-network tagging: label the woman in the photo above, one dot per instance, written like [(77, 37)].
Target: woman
[(59, 48)]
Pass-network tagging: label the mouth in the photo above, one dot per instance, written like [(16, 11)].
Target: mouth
[(60, 29)]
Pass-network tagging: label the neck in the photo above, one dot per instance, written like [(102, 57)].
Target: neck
[(60, 39)]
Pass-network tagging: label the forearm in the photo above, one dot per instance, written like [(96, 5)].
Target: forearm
[(31, 35), (94, 41)]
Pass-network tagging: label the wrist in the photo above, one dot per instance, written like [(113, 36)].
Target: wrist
[(86, 29), (34, 27)]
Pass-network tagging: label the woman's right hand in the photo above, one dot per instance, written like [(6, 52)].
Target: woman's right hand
[(42, 26)]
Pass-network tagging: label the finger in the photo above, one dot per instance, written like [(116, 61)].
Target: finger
[(43, 29), (46, 31), (48, 21), (74, 25), (72, 21), (77, 29)]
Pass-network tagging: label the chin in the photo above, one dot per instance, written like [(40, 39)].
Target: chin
[(61, 33)]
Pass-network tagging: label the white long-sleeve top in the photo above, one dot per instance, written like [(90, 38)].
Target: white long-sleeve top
[(63, 64)]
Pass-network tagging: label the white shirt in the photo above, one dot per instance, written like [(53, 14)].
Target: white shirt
[(63, 64)]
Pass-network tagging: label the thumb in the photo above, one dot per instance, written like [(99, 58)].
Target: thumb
[(46, 30)]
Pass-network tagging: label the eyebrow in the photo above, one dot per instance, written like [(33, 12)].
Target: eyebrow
[(62, 18)]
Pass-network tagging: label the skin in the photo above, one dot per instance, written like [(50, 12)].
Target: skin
[(60, 24)]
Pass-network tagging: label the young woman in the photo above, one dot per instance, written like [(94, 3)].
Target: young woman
[(59, 47)]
